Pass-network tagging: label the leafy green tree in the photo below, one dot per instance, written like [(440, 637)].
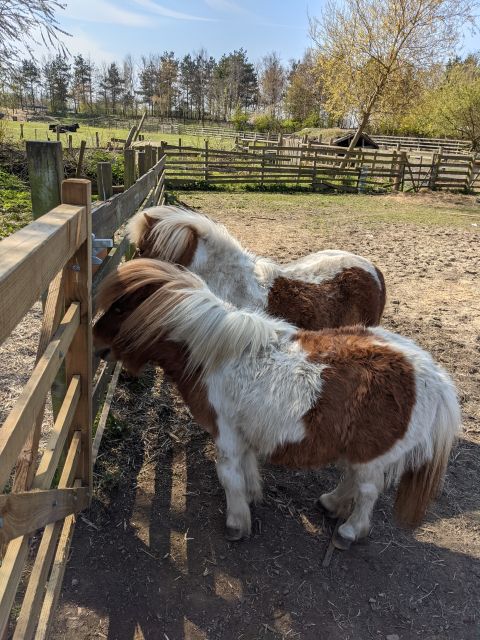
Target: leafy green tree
[(57, 74)]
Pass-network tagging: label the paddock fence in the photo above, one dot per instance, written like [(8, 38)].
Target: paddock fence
[(53, 258), (322, 168)]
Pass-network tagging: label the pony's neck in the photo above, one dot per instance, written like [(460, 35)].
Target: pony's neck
[(231, 272), (211, 330)]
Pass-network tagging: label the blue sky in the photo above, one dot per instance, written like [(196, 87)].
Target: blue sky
[(108, 29)]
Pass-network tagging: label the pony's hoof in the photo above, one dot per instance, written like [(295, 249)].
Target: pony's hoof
[(233, 534), (339, 542)]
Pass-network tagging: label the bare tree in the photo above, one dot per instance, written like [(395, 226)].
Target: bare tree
[(364, 45), (272, 82), (21, 21)]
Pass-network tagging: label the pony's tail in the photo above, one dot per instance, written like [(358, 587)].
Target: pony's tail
[(419, 486)]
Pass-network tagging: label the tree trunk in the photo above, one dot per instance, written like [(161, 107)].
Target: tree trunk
[(356, 138)]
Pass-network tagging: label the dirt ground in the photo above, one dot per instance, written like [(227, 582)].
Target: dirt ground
[(149, 560)]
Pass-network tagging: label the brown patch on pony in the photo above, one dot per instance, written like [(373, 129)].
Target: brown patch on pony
[(365, 404), (146, 243), (351, 297), (418, 488)]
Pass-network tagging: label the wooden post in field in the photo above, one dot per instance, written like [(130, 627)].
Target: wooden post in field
[(141, 163), (78, 284), (58, 133), (180, 145), (129, 170), (21, 131), (83, 146), (314, 172), (205, 174), (436, 162), (263, 167), (393, 167), (398, 181), (469, 173), (148, 157), (97, 139), (35, 133), (104, 180), (45, 175), (70, 141)]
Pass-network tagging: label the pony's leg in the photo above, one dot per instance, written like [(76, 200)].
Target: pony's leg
[(369, 482), (232, 477), (338, 502), (253, 479)]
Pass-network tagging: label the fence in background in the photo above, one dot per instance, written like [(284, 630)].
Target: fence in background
[(54, 255), (322, 168)]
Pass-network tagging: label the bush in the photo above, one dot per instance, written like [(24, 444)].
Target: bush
[(312, 120), (266, 122), (240, 120), (289, 125), (116, 159)]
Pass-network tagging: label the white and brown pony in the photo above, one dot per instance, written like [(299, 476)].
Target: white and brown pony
[(367, 399), (325, 289)]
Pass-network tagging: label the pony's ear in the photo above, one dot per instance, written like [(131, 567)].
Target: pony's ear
[(150, 221)]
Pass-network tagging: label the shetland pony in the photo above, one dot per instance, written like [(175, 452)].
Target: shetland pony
[(371, 400), (325, 289)]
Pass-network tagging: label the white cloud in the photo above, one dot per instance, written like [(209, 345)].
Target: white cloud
[(103, 11), (83, 43), (170, 13), (225, 5)]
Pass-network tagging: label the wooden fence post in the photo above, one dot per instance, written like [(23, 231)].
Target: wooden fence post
[(78, 287), (263, 166), (21, 131), (149, 162), (70, 141), (104, 180), (83, 146), (97, 139), (436, 162), (399, 178), (129, 170), (205, 175), (469, 173), (45, 175), (141, 163)]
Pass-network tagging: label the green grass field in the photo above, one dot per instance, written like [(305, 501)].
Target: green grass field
[(40, 131)]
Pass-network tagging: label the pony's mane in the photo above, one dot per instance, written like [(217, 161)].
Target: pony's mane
[(171, 235), (183, 309)]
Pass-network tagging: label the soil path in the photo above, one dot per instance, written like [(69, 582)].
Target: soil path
[(150, 561)]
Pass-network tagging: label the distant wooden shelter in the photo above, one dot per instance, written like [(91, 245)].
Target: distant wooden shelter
[(364, 142)]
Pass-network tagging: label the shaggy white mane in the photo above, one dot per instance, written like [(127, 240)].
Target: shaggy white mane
[(170, 236), (185, 310)]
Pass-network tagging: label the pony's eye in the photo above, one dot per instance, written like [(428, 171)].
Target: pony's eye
[(117, 310)]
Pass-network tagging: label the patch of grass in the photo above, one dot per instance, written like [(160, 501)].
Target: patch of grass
[(318, 210), (15, 204), (40, 131)]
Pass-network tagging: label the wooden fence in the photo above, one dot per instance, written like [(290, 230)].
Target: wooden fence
[(54, 255), (322, 168)]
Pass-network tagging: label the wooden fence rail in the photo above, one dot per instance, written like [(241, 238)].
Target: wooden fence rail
[(54, 254), (323, 167)]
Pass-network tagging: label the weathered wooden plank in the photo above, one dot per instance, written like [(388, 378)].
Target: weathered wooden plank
[(24, 513), (31, 258), (54, 584), (78, 287), (58, 436), (32, 601), (52, 314), (109, 217), (20, 419), (101, 387), (105, 411)]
